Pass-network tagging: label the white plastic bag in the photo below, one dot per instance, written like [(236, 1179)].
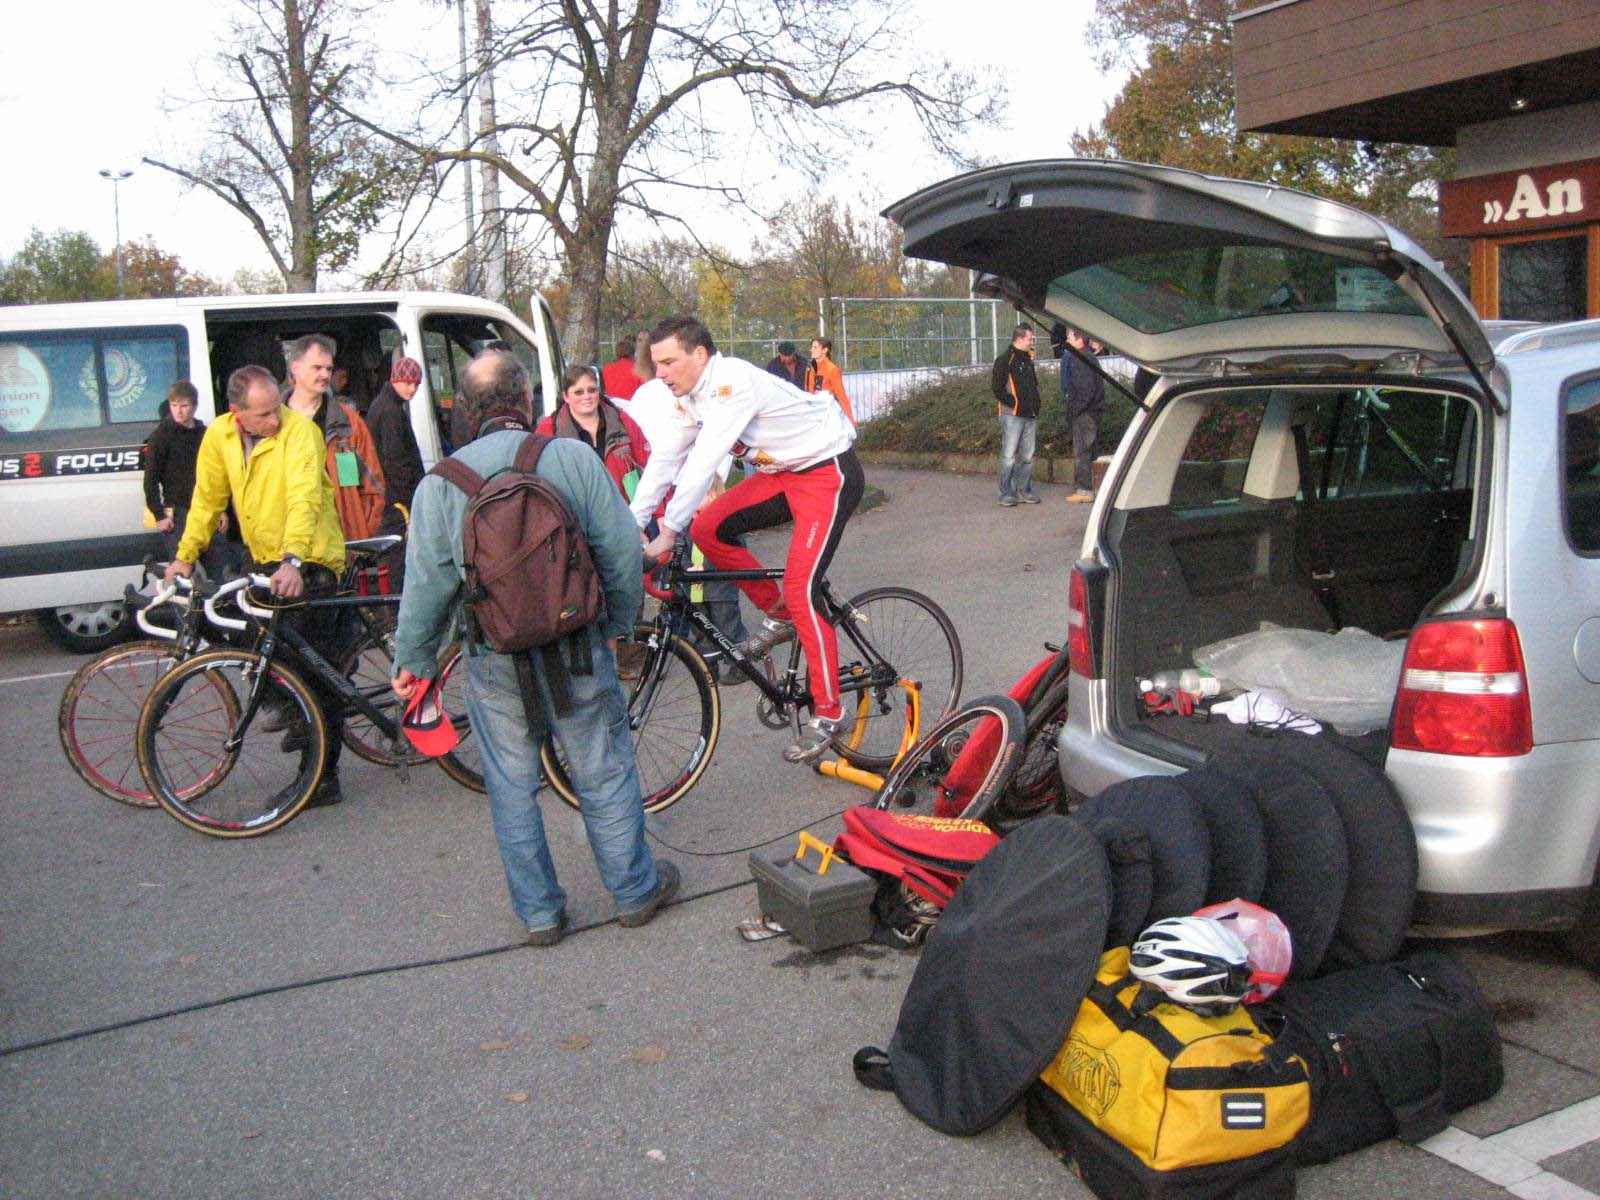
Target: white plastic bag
[(1347, 679)]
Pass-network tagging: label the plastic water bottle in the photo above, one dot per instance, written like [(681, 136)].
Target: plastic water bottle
[(1198, 684)]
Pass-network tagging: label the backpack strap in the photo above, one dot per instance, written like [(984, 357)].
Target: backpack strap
[(528, 453), (458, 473)]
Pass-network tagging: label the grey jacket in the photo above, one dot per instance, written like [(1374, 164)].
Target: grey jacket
[(434, 558)]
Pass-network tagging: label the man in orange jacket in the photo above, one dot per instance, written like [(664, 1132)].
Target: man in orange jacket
[(352, 455)]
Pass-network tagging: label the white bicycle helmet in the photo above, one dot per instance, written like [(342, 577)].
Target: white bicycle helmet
[(1195, 961)]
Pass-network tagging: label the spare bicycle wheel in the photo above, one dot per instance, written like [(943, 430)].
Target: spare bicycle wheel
[(962, 765)]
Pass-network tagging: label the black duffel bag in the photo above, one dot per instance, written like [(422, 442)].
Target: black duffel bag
[(1393, 1049)]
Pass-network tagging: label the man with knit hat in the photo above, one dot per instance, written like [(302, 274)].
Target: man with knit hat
[(389, 420)]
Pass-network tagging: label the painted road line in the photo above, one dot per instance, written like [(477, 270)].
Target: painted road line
[(1554, 1133), (32, 678), (1522, 1178)]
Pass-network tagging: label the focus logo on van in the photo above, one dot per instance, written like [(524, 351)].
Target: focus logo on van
[(42, 464), (24, 389)]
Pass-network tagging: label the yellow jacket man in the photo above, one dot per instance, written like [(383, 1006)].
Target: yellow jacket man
[(269, 460)]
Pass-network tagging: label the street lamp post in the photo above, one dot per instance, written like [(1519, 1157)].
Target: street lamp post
[(116, 178)]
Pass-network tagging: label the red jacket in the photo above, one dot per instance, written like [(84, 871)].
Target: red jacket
[(620, 380), (625, 448)]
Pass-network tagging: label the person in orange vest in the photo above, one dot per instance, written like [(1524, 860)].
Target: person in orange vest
[(824, 375), (352, 456)]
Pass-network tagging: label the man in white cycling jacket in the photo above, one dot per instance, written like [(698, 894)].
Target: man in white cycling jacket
[(798, 445)]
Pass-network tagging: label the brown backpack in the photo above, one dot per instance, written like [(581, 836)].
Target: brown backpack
[(530, 580)]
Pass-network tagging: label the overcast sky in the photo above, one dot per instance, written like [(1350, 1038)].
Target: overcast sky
[(82, 85)]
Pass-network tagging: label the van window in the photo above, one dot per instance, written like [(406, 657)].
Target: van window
[(1581, 456), (1387, 441), (1212, 470), (57, 386), (451, 340)]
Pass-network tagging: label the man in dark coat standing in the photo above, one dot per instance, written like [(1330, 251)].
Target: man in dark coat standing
[(389, 420), (1084, 393)]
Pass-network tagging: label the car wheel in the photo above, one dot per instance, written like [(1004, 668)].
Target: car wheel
[(88, 628), (1583, 939)]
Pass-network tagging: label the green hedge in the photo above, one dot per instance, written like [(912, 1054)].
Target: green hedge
[(955, 414)]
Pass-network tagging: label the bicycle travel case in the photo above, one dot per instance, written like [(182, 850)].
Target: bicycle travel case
[(1180, 845), (1000, 979), (1393, 1050), (820, 899), (1150, 1099)]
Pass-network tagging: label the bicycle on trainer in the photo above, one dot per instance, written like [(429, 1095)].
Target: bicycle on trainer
[(885, 635), (203, 746)]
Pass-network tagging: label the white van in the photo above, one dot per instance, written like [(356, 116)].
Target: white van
[(83, 385)]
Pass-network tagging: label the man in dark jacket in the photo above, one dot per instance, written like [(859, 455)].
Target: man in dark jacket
[(788, 365), (1016, 395), (389, 422), (1083, 392)]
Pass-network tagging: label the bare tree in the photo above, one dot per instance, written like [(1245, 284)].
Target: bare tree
[(281, 150), (606, 108)]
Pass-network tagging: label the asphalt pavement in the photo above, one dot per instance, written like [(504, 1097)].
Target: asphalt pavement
[(343, 1008)]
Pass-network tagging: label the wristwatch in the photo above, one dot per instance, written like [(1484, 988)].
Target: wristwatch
[(294, 561)]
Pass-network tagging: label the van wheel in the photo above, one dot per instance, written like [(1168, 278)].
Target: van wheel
[(1583, 939), (88, 628)]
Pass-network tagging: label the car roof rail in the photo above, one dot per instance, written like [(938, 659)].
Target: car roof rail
[(1548, 337)]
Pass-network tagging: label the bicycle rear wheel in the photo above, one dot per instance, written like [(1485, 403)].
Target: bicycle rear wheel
[(98, 720), (912, 634), (962, 764), (464, 764), (675, 714), (215, 787)]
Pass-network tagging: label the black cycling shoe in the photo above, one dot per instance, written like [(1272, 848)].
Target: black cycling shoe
[(327, 793)]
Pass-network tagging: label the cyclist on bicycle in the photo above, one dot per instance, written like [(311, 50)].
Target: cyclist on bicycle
[(796, 447)]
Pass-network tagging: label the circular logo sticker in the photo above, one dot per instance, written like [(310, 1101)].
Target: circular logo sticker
[(24, 389)]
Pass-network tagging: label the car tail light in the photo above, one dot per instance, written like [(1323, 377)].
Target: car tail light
[(1463, 690), (1080, 646)]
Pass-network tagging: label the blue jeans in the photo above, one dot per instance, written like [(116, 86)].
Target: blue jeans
[(1016, 455), (599, 751)]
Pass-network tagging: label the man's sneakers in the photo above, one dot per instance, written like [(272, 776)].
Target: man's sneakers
[(327, 793), (549, 935), (773, 632), (815, 737), (1081, 497), (666, 889), (1030, 498), (1008, 501)]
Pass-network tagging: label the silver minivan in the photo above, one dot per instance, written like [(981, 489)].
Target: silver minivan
[(1334, 443)]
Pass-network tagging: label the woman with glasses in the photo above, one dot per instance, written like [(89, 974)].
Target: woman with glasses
[(609, 431)]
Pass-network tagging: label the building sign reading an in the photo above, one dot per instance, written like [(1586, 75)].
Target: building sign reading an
[(1514, 201)]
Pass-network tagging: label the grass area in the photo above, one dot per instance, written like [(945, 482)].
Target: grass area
[(955, 414)]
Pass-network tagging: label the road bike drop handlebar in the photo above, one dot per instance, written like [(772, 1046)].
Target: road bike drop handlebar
[(141, 606), (235, 587)]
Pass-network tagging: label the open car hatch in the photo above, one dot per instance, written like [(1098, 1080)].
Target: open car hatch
[(1177, 270)]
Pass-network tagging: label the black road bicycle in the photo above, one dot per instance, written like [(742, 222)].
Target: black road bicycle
[(886, 635), (232, 743)]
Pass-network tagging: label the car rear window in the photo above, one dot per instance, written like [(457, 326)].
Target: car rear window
[(1163, 291)]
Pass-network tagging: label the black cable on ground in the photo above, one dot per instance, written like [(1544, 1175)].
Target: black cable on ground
[(666, 845), (318, 980)]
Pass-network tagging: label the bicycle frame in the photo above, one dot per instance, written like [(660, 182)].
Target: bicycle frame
[(680, 578), (275, 632)]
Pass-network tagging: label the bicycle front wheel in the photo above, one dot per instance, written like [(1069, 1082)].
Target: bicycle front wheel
[(1037, 784), (215, 777), (962, 765), (913, 636), (98, 720), (675, 714)]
